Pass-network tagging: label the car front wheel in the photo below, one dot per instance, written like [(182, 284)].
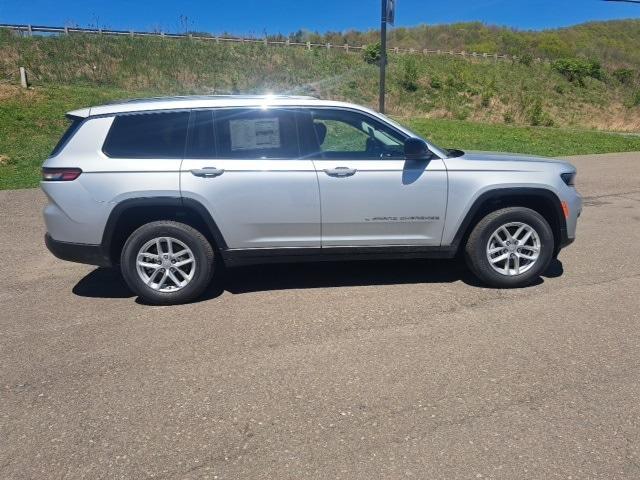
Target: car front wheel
[(510, 247), (167, 262)]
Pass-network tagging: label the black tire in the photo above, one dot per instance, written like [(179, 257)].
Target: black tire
[(202, 252), (476, 247)]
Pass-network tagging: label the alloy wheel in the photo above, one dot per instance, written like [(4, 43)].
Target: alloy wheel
[(513, 249), (165, 264)]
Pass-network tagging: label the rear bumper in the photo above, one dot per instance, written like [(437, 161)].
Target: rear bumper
[(78, 252)]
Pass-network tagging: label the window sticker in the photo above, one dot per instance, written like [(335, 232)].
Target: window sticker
[(254, 134)]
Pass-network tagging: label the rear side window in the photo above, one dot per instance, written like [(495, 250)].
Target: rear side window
[(256, 134), (73, 128), (147, 135)]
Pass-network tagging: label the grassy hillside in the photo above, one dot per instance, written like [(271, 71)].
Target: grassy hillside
[(614, 43), (525, 107), (433, 87), (31, 122)]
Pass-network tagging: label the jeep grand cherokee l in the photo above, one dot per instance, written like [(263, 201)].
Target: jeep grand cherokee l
[(169, 189)]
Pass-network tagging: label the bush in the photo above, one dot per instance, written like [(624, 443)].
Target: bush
[(456, 83), (372, 53), (624, 75), (635, 101), (485, 101), (560, 88), (462, 113), (526, 59), (576, 70), (538, 117), (409, 74), (436, 83)]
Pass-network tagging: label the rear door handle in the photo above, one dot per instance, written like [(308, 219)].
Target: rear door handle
[(340, 171), (207, 172)]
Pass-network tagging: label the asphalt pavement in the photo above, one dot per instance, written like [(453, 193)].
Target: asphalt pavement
[(404, 369)]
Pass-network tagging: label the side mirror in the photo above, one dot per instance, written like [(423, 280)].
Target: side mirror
[(416, 149)]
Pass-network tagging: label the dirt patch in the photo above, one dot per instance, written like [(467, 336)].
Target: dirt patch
[(15, 92), (4, 160)]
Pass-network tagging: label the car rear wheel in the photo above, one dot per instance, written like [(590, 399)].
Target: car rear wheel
[(510, 247), (167, 262)]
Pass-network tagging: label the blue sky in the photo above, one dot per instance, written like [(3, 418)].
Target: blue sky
[(284, 16)]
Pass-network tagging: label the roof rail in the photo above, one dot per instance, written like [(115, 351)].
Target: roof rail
[(210, 97)]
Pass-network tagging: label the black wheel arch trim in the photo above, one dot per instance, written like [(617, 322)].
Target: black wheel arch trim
[(499, 194), (177, 202)]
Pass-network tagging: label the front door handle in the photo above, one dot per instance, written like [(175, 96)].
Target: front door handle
[(207, 172), (340, 171)]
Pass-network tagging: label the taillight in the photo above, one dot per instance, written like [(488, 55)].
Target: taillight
[(60, 174)]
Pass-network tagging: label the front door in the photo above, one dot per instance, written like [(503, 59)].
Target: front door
[(370, 195), (251, 177)]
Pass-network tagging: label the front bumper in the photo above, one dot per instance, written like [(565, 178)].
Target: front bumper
[(78, 252)]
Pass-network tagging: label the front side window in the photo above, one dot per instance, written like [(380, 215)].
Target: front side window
[(147, 135), (344, 134), (256, 134)]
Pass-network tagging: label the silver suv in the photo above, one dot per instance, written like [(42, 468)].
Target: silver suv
[(172, 189)]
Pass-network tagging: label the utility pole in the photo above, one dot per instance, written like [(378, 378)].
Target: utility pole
[(383, 54), (388, 17)]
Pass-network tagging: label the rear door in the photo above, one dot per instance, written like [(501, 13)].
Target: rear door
[(370, 194), (249, 174)]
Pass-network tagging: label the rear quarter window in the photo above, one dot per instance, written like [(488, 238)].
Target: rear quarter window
[(71, 130), (147, 135)]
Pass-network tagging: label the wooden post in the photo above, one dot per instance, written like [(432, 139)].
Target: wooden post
[(266, 42), (346, 47), (24, 81), (309, 46), (66, 30), (29, 30), (328, 46)]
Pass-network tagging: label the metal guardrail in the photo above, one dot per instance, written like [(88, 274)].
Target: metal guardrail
[(29, 30)]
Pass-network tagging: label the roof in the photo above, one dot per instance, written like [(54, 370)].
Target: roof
[(178, 98), (198, 101)]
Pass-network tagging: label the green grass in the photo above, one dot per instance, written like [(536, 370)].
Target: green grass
[(546, 141), (31, 122)]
